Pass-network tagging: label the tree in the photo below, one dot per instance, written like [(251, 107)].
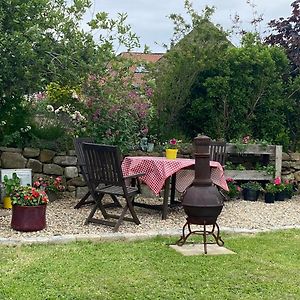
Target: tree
[(240, 95), (286, 33), (206, 85), (41, 42), (194, 48)]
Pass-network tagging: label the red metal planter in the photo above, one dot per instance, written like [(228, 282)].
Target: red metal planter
[(28, 218)]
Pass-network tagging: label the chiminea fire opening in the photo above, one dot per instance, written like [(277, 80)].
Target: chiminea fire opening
[(202, 202)]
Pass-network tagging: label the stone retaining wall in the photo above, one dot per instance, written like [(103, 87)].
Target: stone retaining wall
[(47, 162)]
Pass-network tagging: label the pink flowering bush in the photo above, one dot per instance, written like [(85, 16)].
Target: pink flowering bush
[(49, 184)]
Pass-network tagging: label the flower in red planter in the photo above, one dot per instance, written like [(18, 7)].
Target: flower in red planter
[(28, 196)]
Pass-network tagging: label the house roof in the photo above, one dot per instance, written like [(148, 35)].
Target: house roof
[(140, 56), (138, 69)]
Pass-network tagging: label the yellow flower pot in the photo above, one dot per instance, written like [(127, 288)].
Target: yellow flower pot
[(171, 153), (7, 202)]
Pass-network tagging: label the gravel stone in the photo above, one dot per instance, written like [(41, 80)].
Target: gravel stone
[(237, 215)]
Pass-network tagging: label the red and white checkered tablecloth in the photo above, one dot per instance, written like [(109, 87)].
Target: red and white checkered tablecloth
[(158, 169)]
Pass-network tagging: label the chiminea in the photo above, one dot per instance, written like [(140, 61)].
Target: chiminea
[(202, 202)]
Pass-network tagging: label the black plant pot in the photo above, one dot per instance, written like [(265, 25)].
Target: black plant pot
[(269, 198), (251, 195), (288, 194), (280, 196)]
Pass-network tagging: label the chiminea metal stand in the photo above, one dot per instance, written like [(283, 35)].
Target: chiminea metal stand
[(204, 232), (202, 202)]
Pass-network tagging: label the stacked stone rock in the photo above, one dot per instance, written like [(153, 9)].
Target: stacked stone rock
[(45, 162), (291, 166)]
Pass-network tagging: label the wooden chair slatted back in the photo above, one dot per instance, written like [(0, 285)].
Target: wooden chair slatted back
[(103, 163), (80, 156), (217, 152)]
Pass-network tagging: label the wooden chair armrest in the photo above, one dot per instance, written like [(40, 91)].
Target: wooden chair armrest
[(134, 175)]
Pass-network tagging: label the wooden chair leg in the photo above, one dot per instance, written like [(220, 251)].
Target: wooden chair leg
[(88, 219), (121, 218), (97, 205), (83, 200), (135, 218), (132, 211), (116, 201)]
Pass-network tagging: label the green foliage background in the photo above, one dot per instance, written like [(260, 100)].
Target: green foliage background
[(207, 85)]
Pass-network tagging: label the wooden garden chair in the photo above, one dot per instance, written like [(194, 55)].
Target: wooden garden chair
[(82, 167), (103, 165), (217, 152)]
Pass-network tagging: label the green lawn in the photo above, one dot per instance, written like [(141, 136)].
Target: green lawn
[(266, 266)]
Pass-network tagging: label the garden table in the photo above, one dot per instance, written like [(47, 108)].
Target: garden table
[(159, 171)]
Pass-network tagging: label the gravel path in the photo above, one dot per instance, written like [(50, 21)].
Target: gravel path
[(62, 219)]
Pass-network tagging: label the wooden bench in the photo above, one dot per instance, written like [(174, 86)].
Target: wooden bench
[(273, 152)]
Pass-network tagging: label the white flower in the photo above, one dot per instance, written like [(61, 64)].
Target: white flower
[(50, 108), (57, 111), (74, 95), (3, 123)]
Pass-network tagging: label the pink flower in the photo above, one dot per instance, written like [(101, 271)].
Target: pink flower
[(149, 92), (246, 139), (173, 141), (229, 179), (145, 131), (277, 180), (36, 184)]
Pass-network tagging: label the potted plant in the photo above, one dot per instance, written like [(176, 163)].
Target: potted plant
[(9, 185), (28, 208), (51, 185), (289, 188), (251, 190), (234, 188), (172, 149), (270, 191), (280, 189)]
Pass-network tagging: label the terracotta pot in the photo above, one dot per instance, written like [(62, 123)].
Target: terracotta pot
[(28, 218)]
